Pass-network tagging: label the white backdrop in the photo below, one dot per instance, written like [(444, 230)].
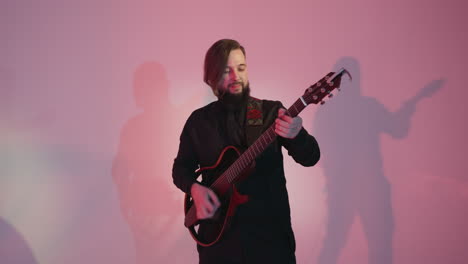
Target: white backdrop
[(93, 95)]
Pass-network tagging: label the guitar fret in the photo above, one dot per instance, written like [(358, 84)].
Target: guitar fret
[(220, 182), (237, 167), (240, 161), (250, 156), (258, 150), (229, 176), (224, 182), (235, 172)]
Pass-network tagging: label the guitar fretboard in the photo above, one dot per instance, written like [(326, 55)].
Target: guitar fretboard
[(231, 174)]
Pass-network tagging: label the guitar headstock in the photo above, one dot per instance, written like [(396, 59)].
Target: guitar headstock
[(323, 88)]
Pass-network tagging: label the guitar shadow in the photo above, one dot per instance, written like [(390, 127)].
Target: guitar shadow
[(348, 131)]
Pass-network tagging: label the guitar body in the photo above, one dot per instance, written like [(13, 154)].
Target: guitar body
[(211, 230)]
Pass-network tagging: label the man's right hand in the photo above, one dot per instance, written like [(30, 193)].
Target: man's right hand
[(205, 200)]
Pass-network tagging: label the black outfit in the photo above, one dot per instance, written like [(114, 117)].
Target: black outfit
[(260, 231)]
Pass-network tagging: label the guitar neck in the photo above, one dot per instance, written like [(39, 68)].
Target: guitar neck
[(314, 94), (231, 174)]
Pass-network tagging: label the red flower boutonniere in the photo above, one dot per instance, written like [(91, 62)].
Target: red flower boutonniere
[(254, 114)]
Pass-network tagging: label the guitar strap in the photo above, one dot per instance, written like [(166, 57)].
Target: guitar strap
[(254, 117)]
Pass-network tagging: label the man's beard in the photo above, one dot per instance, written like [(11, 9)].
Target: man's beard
[(235, 101)]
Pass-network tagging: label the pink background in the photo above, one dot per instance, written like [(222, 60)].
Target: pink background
[(93, 96)]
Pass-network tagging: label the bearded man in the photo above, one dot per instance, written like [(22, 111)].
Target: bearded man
[(260, 230)]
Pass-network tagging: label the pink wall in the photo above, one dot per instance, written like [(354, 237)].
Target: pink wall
[(93, 95)]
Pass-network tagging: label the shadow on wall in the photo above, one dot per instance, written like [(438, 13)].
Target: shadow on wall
[(13, 248), (348, 133), (150, 203), (6, 93)]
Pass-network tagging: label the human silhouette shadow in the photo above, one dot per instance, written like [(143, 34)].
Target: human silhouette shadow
[(13, 247), (150, 204), (348, 130), (6, 93)]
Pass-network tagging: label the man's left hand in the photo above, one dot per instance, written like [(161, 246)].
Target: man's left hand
[(286, 126)]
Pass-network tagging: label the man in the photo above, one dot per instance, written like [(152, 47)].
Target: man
[(260, 231)]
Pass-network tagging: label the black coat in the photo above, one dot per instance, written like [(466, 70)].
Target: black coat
[(261, 229)]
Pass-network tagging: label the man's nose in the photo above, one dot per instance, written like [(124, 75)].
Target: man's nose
[(234, 75)]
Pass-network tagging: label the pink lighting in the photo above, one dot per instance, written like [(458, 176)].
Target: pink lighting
[(94, 95)]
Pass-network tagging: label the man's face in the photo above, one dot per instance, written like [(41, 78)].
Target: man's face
[(235, 78)]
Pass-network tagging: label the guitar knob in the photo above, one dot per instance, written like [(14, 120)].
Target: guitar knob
[(315, 97), (330, 95), (322, 90), (322, 102)]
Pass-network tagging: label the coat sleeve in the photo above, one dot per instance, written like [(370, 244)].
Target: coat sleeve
[(186, 161), (304, 149)]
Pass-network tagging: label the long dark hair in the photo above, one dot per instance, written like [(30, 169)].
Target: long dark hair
[(216, 59)]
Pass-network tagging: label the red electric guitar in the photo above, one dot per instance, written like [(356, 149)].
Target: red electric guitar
[(233, 166)]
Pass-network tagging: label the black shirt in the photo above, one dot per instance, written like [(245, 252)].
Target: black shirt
[(264, 221)]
